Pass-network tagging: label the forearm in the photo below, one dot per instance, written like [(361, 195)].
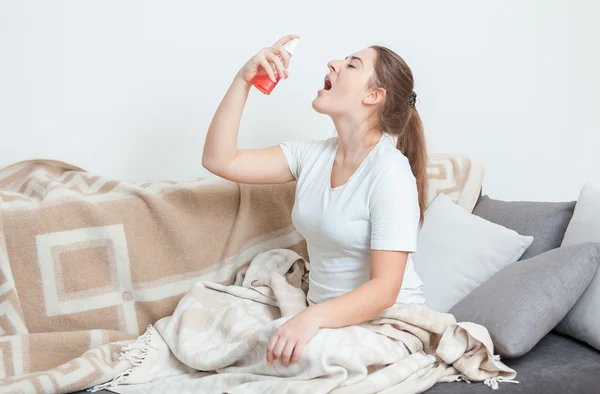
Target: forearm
[(357, 306), (220, 147)]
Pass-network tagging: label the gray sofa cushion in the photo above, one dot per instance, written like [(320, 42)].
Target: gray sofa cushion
[(527, 299), (557, 365), (545, 221), (583, 321)]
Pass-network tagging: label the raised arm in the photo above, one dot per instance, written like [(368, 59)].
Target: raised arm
[(221, 155)]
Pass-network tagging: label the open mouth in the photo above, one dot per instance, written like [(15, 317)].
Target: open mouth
[(327, 84)]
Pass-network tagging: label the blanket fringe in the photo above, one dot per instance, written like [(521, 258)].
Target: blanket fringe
[(462, 378), (135, 353), (493, 382)]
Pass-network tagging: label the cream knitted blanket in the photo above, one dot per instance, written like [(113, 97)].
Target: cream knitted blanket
[(215, 342)]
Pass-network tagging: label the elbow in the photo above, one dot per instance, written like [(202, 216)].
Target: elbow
[(217, 163), (384, 301), (207, 164), (389, 302), (391, 297), (212, 165), (384, 294)]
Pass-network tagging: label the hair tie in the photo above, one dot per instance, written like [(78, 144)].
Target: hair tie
[(413, 99)]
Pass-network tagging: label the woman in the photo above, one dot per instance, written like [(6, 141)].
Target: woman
[(359, 199)]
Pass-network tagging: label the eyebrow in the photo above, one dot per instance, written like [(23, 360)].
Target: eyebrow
[(355, 58)]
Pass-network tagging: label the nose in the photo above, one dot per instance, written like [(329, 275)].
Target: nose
[(332, 65)]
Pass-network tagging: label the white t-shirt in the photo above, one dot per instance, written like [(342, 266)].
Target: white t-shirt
[(377, 208)]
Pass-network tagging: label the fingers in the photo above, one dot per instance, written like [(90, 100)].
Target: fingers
[(273, 58), (283, 40), (285, 57), (288, 350), (298, 349), (270, 347), (278, 349), (268, 69)]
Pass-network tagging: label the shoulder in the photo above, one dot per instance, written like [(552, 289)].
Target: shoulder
[(302, 155), (391, 165), (309, 145)]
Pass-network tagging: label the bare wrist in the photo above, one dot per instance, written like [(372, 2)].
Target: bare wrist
[(239, 79), (318, 313)]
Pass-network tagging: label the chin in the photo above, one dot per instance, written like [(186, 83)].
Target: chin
[(319, 106)]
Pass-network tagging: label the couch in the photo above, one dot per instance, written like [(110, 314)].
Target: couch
[(558, 363)]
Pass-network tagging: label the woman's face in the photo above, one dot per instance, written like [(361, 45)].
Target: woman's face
[(346, 85)]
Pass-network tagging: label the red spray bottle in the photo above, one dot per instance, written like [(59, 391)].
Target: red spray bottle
[(262, 81)]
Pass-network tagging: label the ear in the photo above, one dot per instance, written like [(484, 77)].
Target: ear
[(374, 96)]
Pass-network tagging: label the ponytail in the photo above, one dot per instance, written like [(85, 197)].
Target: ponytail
[(411, 142)]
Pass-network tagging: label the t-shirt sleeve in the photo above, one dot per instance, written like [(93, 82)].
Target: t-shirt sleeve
[(394, 210), (295, 153)]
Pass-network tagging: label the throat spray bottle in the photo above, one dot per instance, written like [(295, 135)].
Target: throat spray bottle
[(262, 81)]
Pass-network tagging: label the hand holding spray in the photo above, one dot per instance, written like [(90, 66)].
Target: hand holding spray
[(262, 81)]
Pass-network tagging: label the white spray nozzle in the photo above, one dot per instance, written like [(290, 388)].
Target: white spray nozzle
[(290, 46)]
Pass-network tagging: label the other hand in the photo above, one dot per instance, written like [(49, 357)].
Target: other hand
[(288, 341)]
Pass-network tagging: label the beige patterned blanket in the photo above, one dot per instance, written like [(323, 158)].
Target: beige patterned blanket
[(88, 262), (222, 331)]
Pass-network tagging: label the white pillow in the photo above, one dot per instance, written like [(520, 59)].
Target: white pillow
[(458, 251), (583, 321)]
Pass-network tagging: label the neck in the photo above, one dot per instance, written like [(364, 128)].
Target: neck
[(355, 138)]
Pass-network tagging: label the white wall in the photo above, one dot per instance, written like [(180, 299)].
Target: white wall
[(128, 88)]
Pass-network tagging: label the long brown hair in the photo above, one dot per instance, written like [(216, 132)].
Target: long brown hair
[(399, 117)]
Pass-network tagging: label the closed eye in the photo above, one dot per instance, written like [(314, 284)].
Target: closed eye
[(350, 66)]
